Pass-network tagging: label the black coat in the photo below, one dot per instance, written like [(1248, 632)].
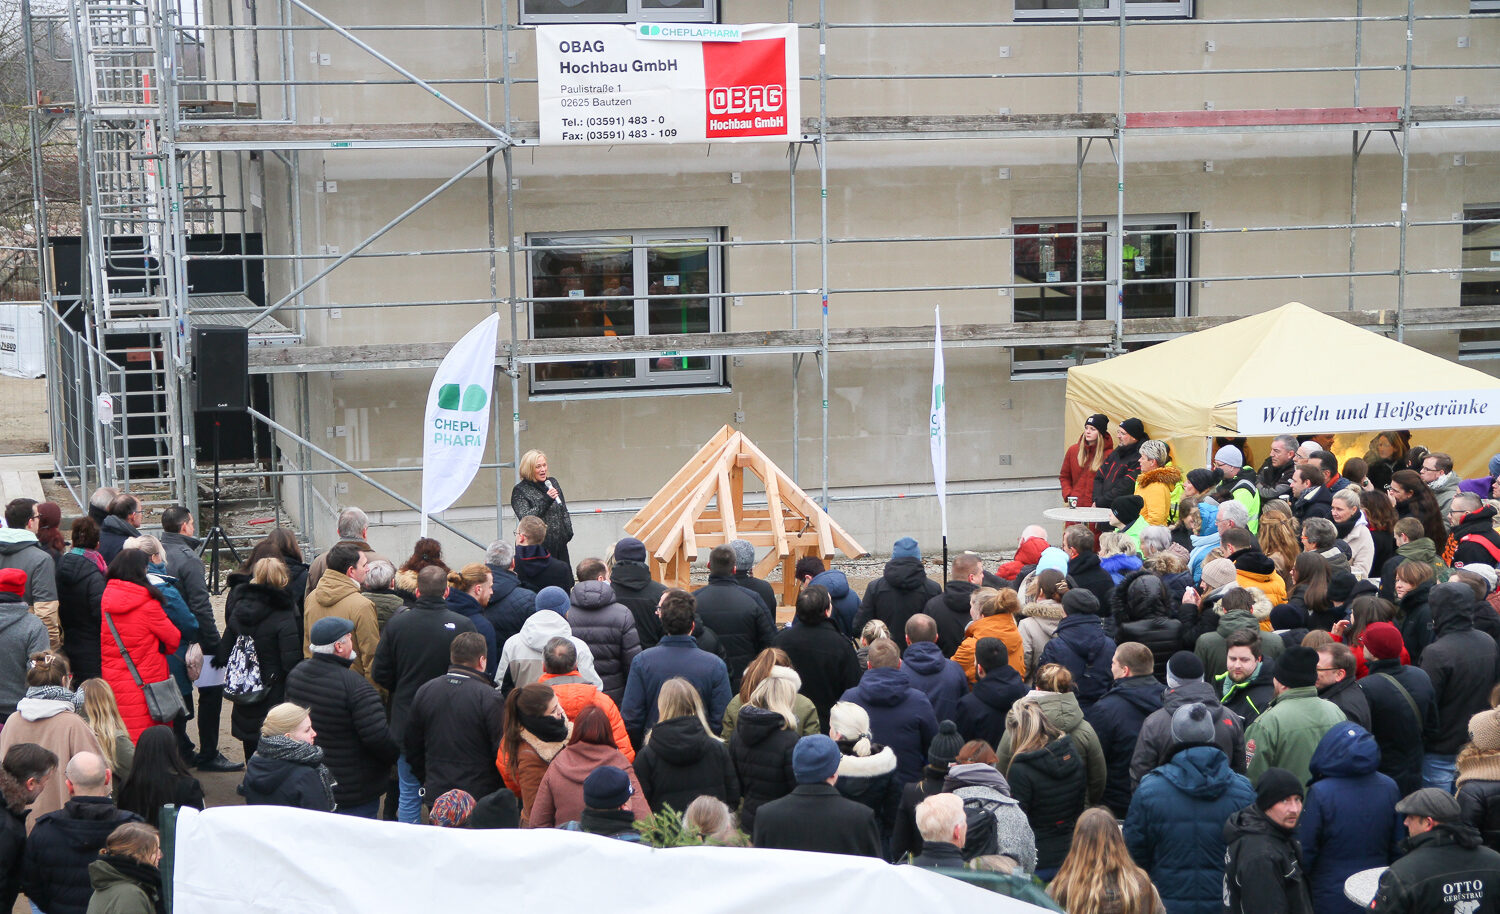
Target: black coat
[(1263, 867), (1116, 475), (761, 749), (279, 782), (1317, 503), (1052, 787), (12, 837), (741, 621), (413, 651), (681, 762), (1399, 732), (509, 607), (1423, 880), (981, 713), (1480, 525), (1117, 719), (269, 617), (1142, 612), (1084, 571), (762, 589), (350, 722), (80, 585), (1479, 803), (901, 591), (55, 867), (635, 588), (815, 817), (536, 568), (1460, 663), (1415, 620), (950, 610), (1351, 700), (871, 780), (113, 533), (1250, 699), (824, 659), (905, 839), (453, 734), (531, 499)]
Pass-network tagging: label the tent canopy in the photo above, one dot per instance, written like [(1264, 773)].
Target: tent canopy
[(1188, 389)]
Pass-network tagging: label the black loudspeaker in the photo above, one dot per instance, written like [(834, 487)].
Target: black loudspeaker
[(221, 369)]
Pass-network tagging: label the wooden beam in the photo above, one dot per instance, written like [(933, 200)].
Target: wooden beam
[(1260, 117)]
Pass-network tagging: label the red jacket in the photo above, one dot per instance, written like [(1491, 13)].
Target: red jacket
[(1076, 480), (1029, 554), (148, 634)]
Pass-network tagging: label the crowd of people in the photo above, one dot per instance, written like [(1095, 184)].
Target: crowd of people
[(1259, 681)]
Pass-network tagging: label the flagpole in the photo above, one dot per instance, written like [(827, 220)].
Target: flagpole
[(937, 421)]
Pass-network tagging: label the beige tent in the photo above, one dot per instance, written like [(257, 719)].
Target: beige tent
[(1189, 389)]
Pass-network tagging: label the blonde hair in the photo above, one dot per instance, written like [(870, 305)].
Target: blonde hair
[(678, 698), (778, 695), (980, 597), (135, 840), (1030, 729), (1091, 457), (713, 821), (102, 713), (469, 577), (283, 719), (1053, 677), (527, 466), (1001, 601), (1116, 544), (144, 543), (760, 668), (873, 631), (269, 572), (1278, 535), (1098, 873)]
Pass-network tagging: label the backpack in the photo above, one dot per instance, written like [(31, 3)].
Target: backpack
[(243, 683), (983, 834)]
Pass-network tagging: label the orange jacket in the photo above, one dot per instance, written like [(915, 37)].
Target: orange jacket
[(1000, 625), (575, 694), (1269, 584), (532, 758)]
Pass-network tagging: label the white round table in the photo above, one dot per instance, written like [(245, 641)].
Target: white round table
[(1079, 515), (1360, 887)]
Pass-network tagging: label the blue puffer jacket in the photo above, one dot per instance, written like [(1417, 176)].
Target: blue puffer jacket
[(465, 605), (1349, 822), (845, 603), (937, 677), (1175, 828), (1081, 645), (510, 604), (900, 716)]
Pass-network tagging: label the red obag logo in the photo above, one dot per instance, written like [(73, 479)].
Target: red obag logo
[(746, 88)]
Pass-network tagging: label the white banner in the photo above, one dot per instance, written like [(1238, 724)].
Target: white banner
[(457, 421), (665, 83), (1368, 412), (937, 421)]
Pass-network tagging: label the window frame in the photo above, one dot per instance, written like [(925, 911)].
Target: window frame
[(635, 12), (1158, 9), (1477, 350), (1034, 369), (1484, 6), (644, 381)]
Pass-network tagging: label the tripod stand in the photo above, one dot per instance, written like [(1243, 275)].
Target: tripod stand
[(216, 535)]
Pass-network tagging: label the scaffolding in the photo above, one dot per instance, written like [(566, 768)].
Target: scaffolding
[(174, 98)]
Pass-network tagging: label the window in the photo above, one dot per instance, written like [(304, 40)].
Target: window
[(1481, 250), (1484, 6), (1108, 9), (549, 11), (591, 284), (1156, 248)]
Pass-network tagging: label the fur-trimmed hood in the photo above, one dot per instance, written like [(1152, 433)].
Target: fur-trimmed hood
[(548, 751), (1262, 607), (881, 760), (1043, 609), (1168, 476), (789, 674)]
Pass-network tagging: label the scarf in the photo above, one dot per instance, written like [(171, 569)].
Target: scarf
[(1475, 764), (545, 728), (300, 753), (92, 556), (1348, 526), (57, 693), (144, 875)]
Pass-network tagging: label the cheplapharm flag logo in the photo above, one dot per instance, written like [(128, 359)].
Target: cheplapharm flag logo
[(473, 400), (690, 32)]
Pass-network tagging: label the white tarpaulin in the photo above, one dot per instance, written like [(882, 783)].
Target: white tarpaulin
[(667, 83), (1361, 412), (275, 860), (21, 340)]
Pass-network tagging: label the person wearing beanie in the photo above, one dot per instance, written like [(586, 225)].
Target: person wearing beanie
[(1082, 461), (1239, 483), (1199, 482), (1120, 467), (981, 713), (521, 656), (815, 816), (1286, 735), (452, 809), (607, 795), (21, 635), (1185, 686), (1127, 516), (1183, 666), (1175, 826), (1446, 869), (901, 591), (1479, 777), (1349, 822), (1403, 705), (941, 755), (744, 575), (1263, 872), (1460, 661), (630, 577), (1081, 645)]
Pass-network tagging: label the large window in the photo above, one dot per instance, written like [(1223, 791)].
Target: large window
[(1484, 6), (1105, 9), (545, 11), (1481, 249), (592, 284), (1064, 277)]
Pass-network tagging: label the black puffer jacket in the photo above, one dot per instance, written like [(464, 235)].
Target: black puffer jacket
[(510, 605), (870, 779), (12, 837), (1263, 867), (453, 734), (950, 610), (681, 762), (267, 615), (761, 748), (1116, 475), (80, 585), (1479, 798), (1461, 664), (1142, 612), (634, 587), (1084, 571), (350, 722), (60, 849), (1415, 621), (1052, 787), (901, 591), (280, 782), (608, 628), (740, 620)]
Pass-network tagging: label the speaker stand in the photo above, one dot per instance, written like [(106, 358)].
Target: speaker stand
[(216, 536)]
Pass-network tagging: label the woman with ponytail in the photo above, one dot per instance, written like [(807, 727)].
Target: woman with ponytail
[(536, 730), (49, 717)]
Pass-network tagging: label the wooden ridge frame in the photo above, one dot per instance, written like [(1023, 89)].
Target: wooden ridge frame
[(678, 522)]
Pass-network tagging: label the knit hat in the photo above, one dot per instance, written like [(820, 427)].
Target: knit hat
[(1192, 725), (1229, 454), (1484, 729), (1080, 602), (452, 809), (1287, 617), (816, 758), (1202, 479), (848, 720), (1297, 667), (1218, 573), (1383, 640), (1128, 508), (1184, 667), (945, 747), (553, 598), (1101, 422), (744, 555), (1433, 802), (1053, 558), (12, 580), (1495, 465), (1275, 785), (607, 787), (1341, 585), (1134, 428), (906, 548), (630, 549), (1487, 572), (329, 629)]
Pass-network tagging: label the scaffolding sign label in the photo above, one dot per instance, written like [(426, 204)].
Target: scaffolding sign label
[(616, 84)]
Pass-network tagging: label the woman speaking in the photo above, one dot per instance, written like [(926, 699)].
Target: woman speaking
[(540, 495)]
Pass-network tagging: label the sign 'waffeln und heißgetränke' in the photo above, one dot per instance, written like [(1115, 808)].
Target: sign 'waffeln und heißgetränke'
[(1364, 412)]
